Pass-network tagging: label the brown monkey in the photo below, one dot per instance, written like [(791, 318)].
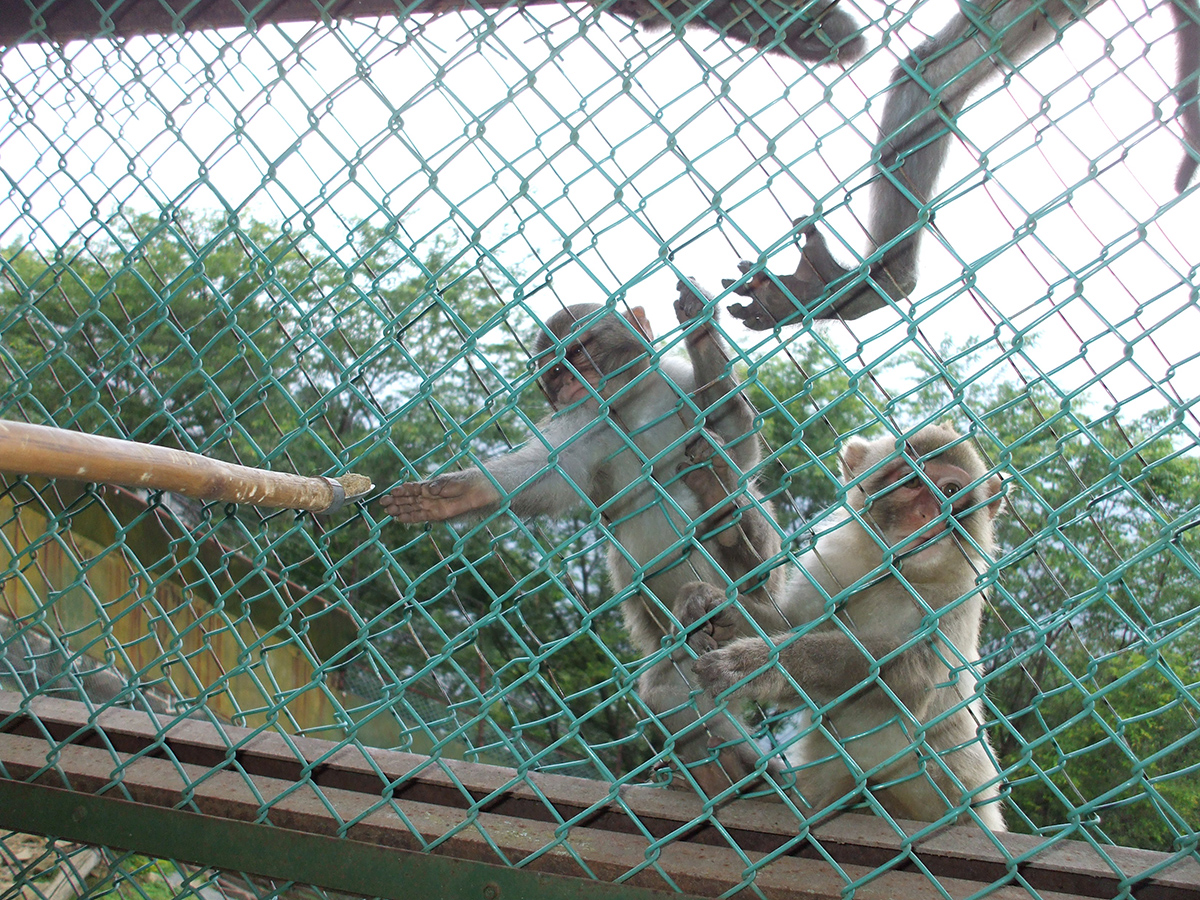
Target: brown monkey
[(889, 669), (929, 90), (664, 483), (813, 31)]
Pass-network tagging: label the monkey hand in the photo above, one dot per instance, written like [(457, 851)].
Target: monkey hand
[(722, 669), (703, 613), (779, 300), (441, 498), (691, 302)]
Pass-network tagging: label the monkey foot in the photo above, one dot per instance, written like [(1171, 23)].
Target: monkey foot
[(780, 300), (704, 615)]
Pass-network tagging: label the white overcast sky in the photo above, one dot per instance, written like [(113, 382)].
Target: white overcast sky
[(588, 176)]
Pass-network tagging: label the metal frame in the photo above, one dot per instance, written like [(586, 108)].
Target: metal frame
[(397, 825)]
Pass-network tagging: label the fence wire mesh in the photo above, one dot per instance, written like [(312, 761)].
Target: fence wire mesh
[(331, 247)]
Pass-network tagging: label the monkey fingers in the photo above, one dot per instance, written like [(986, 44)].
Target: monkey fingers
[(703, 613), (691, 302), (722, 669), (438, 499)]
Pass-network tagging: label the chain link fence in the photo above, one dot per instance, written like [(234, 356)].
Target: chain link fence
[(329, 246)]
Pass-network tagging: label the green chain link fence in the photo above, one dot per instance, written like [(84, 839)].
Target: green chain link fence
[(322, 248)]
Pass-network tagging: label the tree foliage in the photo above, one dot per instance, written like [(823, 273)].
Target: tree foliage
[(500, 640)]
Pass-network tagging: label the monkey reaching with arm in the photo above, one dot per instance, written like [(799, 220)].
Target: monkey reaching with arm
[(891, 671), (586, 456)]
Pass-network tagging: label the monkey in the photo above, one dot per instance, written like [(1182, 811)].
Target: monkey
[(666, 483), (887, 669), (929, 90), (813, 32)]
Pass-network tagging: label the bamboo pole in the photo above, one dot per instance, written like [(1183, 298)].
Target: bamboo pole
[(57, 453)]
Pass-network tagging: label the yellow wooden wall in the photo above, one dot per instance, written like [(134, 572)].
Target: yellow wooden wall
[(119, 581)]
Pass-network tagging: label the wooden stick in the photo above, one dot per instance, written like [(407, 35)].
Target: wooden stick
[(57, 453)]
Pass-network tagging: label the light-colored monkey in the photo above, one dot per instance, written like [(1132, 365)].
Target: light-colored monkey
[(929, 90), (890, 668), (667, 487)]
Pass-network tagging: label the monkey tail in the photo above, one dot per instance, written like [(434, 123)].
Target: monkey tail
[(1187, 44)]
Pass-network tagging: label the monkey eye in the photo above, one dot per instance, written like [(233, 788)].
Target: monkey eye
[(950, 488)]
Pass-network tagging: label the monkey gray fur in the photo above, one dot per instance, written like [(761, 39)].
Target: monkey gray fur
[(696, 496)]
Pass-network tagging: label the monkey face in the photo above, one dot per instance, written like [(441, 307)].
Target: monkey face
[(902, 503), (606, 356), (565, 382), (922, 517)]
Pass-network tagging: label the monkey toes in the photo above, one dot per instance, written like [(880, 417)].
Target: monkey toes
[(721, 669), (780, 299)]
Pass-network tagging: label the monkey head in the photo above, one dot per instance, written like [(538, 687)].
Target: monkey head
[(919, 516), (607, 354)]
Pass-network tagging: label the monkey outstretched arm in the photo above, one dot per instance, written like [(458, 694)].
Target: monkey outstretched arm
[(533, 485), (918, 124), (716, 462), (718, 393)]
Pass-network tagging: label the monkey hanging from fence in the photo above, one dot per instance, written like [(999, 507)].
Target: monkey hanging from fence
[(653, 473), (892, 665), (929, 89)]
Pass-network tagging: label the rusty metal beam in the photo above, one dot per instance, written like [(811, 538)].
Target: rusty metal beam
[(64, 20), (489, 814), (278, 853)]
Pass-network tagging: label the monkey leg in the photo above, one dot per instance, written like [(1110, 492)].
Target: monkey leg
[(441, 498)]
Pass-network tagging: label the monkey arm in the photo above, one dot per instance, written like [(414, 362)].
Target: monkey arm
[(1187, 50), (741, 522), (916, 132), (826, 664), (534, 486), (728, 411)]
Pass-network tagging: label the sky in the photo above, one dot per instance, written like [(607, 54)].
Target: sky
[(589, 159)]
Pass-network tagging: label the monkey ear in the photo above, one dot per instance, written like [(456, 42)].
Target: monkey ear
[(997, 504), (853, 457), (638, 319)]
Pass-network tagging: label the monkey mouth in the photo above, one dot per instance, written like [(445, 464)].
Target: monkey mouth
[(572, 392), (927, 540)]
